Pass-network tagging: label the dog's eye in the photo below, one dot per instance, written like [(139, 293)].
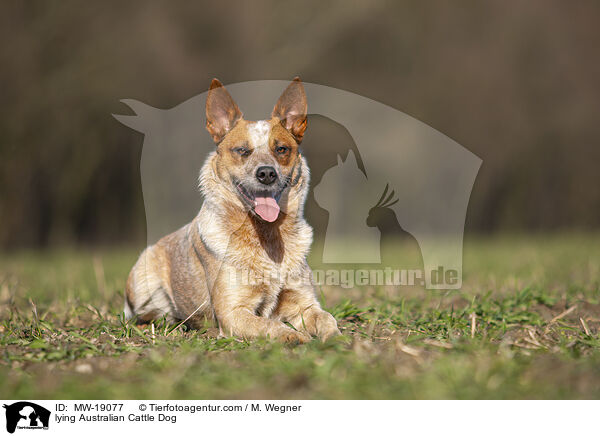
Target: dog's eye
[(281, 149), (242, 151)]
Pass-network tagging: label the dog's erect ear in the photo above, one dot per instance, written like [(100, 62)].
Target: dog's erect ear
[(291, 109), (221, 111)]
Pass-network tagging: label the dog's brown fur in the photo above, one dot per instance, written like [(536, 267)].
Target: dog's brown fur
[(191, 273)]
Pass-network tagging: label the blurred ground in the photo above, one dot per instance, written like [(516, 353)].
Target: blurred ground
[(525, 325)]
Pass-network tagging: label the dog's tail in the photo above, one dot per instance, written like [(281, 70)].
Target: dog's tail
[(127, 307), (127, 310)]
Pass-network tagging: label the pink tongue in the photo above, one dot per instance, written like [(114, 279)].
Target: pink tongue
[(267, 208)]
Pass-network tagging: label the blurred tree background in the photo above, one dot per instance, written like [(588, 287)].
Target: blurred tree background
[(517, 83)]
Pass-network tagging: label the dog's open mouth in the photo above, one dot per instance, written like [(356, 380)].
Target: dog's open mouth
[(264, 204)]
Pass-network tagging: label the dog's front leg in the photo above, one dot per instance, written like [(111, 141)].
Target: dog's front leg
[(235, 308), (301, 309), (240, 321)]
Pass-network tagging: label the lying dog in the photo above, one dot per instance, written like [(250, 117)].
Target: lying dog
[(250, 225)]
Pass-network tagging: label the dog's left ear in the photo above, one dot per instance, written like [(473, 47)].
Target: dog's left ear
[(291, 109)]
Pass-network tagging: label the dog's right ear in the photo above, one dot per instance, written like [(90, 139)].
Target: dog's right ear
[(222, 113)]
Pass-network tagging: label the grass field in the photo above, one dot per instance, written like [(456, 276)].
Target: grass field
[(525, 325)]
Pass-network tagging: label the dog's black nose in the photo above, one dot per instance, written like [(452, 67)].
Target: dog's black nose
[(266, 175)]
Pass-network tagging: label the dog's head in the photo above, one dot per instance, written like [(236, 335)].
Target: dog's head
[(259, 162)]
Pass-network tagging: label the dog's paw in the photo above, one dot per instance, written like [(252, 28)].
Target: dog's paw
[(326, 326), (329, 334), (290, 336)]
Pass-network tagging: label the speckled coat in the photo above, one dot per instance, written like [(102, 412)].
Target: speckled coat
[(208, 269)]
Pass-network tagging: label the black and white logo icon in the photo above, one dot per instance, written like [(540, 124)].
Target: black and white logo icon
[(26, 415)]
